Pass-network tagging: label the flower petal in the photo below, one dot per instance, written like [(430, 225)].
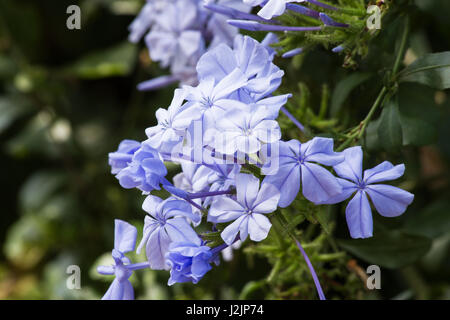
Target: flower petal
[(233, 81), (247, 187), (287, 181), (267, 199), (318, 183), (351, 167), (231, 231), (150, 204), (267, 131), (172, 207), (115, 291), (258, 227), (272, 8), (216, 63), (128, 292), (321, 150), (156, 248), (388, 200), (274, 104), (348, 188), (224, 209), (385, 171), (179, 230), (124, 236), (359, 216)]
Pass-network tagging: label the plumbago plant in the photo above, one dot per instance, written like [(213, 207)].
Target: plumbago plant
[(259, 168)]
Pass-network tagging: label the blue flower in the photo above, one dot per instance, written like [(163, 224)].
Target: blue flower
[(217, 26), (124, 241), (245, 129), (176, 33), (270, 8), (165, 223), (247, 211), (389, 201), (120, 159), (180, 32), (193, 178), (172, 124), (146, 171), (142, 23), (252, 58), (211, 96), (295, 162), (188, 262), (221, 178)]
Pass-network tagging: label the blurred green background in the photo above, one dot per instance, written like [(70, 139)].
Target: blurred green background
[(68, 97)]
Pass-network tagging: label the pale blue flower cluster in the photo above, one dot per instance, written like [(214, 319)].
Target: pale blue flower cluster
[(178, 32), (216, 131)]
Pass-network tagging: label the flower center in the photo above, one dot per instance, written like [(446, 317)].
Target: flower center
[(165, 123), (207, 102), (361, 184)]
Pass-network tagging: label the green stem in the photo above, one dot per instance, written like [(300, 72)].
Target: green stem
[(376, 104), (402, 48), (416, 282), (279, 218), (345, 144), (279, 232), (384, 90), (275, 270), (331, 256), (363, 125)]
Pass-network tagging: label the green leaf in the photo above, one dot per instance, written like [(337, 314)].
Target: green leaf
[(432, 70), (325, 220), (250, 288), (388, 248), (112, 62), (343, 90), (33, 138), (10, 110), (418, 114), (39, 188), (432, 221), (389, 129), (414, 121), (27, 241), (371, 140), (8, 67)]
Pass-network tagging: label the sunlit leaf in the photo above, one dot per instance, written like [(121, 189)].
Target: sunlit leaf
[(116, 61), (390, 249), (431, 69)]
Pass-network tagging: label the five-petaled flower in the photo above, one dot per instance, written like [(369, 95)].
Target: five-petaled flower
[(165, 223), (124, 241), (389, 201), (188, 262), (296, 162), (248, 210)]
